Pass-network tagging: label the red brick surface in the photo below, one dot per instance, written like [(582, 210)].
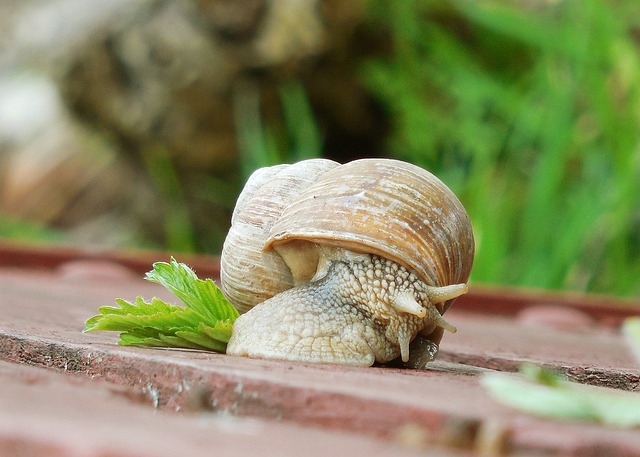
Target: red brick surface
[(594, 356), (48, 414), (292, 407)]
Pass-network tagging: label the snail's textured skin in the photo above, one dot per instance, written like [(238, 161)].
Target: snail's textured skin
[(348, 316)]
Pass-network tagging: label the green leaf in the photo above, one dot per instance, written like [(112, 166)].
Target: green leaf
[(203, 296), (221, 331), (127, 339), (129, 316), (545, 393), (202, 340), (205, 323)]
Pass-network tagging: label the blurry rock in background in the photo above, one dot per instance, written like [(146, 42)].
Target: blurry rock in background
[(120, 117), (55, 172)]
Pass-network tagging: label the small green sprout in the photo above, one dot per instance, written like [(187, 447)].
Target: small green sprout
[(205, 322)]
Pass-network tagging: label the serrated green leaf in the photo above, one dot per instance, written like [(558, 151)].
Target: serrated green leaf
[(127, 339), (205, 323), (202, 340), (185, 343), (128, 316), (93, 322), (547, 394), (221, 331), (178, 340), (203, 296)]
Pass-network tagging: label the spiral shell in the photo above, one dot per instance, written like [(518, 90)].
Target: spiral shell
[(385, 207), (248, 275)]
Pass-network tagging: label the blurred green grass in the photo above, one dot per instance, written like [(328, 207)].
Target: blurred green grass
[(12, 228), (265, 142), (529, 111), (531, 114)]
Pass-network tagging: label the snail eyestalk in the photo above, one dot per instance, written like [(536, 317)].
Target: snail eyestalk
[(405, 302), (444, 293)]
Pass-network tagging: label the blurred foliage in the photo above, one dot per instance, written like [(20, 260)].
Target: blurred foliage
[(529, 110), (178, 227), (264, 142), (12, 228), (531, 113)]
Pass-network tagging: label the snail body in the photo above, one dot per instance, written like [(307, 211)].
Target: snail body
[(344, 263)]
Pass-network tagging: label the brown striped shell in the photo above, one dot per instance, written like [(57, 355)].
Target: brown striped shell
[(386, 207), (378, 206), (248, 275)]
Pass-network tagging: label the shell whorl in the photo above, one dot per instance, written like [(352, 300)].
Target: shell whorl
[(248, 275), (385, 207)]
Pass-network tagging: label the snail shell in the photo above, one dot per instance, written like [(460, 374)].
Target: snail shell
[(294, 223), (248, 275)]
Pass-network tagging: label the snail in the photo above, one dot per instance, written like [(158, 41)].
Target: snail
[(344, 263)]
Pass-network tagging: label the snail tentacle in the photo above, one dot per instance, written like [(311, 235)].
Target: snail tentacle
[(406, 303)]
